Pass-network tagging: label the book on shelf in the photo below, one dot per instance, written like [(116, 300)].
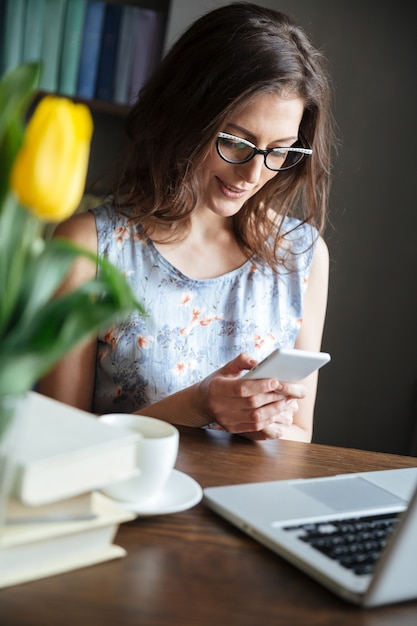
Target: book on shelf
[(90, 49), (149, 39), (33, 31), (2, 20), (63, 451), (107, 60), (76, 508), (54, 15), (12, 33), (157, 42), (125, 53), (33, 551), (71, 47)]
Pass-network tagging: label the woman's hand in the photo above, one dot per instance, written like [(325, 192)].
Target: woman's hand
[(260, 409)]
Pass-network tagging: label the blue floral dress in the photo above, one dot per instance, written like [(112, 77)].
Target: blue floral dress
[(192, 326)]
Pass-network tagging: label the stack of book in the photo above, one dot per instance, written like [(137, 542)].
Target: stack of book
[(56, 519), (88, 48)]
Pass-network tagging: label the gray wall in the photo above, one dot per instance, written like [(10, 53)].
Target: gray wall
[(368, 394)]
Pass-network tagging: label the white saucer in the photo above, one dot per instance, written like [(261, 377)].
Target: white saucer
[(181, 492)]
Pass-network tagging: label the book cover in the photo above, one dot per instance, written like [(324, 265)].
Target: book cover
[(33, 30), (90, 49), (148, 50), (77, 507), (157, 42), (33, 551), (71, 47), (51, 43), (63, 451), (12, 35), (107, 61), (125, 53)]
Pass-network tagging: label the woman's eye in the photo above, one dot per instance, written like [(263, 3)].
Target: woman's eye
[(233, 143), (279, 153)]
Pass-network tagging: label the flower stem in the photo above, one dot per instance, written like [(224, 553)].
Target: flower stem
[(20, 230)]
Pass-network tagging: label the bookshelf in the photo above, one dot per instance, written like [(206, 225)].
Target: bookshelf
[(108, 139), (74, 61)]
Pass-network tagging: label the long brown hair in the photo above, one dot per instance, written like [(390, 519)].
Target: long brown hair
[(226, 58)]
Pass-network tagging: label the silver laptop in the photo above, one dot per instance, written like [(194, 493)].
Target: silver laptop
[(354, 533)]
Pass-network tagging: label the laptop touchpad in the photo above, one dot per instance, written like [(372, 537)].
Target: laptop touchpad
[(349, 493)]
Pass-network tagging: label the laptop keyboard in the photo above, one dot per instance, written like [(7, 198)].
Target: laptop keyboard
[(355, 543)]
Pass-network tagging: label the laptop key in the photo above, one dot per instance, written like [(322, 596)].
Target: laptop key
[(354, 543)]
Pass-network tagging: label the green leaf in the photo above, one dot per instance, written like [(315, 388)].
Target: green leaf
[(16, 91), (48, 331), (9, 147), (65, 322), (18, 228), (42, 277)]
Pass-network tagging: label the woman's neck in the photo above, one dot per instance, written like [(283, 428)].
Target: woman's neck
[(209, 249)]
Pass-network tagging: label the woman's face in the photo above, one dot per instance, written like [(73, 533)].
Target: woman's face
[(270, 121)]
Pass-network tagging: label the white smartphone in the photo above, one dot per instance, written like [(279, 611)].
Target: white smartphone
[(288, 365)]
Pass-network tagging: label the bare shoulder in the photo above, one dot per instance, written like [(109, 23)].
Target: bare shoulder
[(319, 270), (80, 229), (321, 254)]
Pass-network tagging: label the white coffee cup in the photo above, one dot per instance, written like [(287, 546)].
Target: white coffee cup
[(157, 453)]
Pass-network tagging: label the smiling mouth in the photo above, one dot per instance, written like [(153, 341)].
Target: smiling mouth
[(234, 191)]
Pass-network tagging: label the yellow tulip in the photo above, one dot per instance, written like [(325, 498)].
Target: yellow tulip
[(49, 173)]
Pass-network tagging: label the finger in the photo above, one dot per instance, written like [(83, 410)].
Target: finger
[(248, 387), (259, 418), (285, 418), (294, 390), (242, 421), (239, 364), (270, 402)]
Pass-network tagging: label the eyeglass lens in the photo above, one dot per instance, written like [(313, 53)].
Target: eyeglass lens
[(236, 151)]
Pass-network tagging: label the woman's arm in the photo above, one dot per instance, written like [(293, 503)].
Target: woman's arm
[(310, 337), (72, 380)]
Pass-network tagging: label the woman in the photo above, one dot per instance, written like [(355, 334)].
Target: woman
[(216, 220)]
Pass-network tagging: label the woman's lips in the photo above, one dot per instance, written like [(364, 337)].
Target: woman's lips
[(231, 192)]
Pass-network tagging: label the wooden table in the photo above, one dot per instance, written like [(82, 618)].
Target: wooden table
[(194, 569)]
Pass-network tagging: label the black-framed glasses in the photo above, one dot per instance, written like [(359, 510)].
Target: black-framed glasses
[(237, 150)]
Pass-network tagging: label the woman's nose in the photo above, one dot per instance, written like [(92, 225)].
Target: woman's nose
[(252, 170)]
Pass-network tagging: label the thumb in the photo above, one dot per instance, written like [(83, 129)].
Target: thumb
[(239, 364)]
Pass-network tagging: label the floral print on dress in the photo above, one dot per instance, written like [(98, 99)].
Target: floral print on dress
[(192, 327)]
